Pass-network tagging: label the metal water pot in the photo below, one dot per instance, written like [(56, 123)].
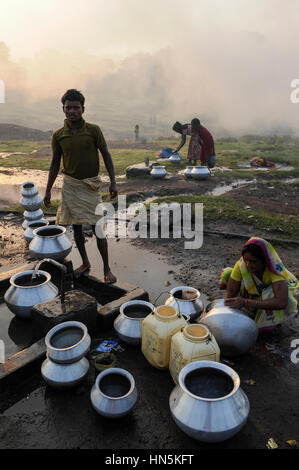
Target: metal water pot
[(128, 323), (200, 173), (28, 234), (24, 292), (50, 242), (186, 300), (31, 200), (114, 393), (29, 189), (65, 365), (174, 158), (208, 403), (234, 331), (30, 216), (187, 172), (158, 172)]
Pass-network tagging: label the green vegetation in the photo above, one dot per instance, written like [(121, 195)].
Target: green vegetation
[(220, 208), (46, 210), (229, 151)]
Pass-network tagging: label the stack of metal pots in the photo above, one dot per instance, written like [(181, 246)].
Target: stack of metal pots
[(65, 365), (31, 201)]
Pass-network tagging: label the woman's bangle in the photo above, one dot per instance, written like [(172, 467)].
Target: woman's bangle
[(245, 303)]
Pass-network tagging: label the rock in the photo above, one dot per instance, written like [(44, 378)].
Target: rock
[(78, 306), (138, 170)]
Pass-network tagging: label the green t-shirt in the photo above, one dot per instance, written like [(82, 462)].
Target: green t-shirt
[(80, 150)]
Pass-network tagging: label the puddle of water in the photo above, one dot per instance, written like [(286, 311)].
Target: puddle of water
[(132, 264), (15, 333)]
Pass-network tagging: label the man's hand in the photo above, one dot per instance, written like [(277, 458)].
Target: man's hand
[(47, 199), (113, 190)]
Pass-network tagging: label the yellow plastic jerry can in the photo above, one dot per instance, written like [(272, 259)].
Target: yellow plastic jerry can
[(157, 330), (192, 343)]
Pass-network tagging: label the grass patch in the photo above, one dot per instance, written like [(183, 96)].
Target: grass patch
[(216, 207), (46, 210), (229, 152)]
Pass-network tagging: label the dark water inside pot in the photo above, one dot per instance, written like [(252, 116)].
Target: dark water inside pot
[(137, 311), (114, 385), (28, 281), (209, 383)]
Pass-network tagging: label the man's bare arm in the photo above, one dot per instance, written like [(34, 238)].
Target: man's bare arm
[(53, 172), (110, 168)]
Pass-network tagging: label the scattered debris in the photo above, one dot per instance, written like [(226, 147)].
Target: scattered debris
[(229, 363), (292, 443), (271, 444), (249, 381)]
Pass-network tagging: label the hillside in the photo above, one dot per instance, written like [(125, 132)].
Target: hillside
[(15, 132)]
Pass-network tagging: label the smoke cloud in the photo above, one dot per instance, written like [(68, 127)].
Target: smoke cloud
[(234, 75)]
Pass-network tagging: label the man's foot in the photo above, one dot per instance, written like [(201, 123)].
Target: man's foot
[(84, 268), (109, 278)]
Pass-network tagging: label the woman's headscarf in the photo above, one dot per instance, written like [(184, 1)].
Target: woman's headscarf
[(273, 262)]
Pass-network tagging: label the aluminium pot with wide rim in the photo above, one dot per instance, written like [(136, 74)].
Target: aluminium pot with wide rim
[(187, 301), (50, 242), (28, 234), (25, 292), (65, 365), (200, 172), (129, 321), (158, 172), (114, 393), (30, 200), (208, 403)]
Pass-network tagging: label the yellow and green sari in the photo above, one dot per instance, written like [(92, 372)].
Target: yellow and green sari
[(253, 288)]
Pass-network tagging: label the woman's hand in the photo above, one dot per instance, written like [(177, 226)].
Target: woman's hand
[(235, 302)]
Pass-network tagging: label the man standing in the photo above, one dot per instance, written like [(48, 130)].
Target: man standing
[(78, 142)]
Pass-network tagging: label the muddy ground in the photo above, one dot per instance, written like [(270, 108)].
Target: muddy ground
[(274, 393)]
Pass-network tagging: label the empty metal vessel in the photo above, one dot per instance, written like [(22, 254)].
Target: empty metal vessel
[(67, 342), (28, 234), (234, 331), (208, 403), (24, 292), (128, 323), (200, 172), (187, 172), (30, 200), (65, 365), (114, 393), (158, 172), (187, 301), (50, 242), (29, 189), (33, 215)]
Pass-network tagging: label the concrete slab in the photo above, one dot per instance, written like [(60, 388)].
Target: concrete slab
[(77, 306)]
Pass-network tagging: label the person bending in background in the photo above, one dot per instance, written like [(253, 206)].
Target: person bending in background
[(260, 283), (201, 145)]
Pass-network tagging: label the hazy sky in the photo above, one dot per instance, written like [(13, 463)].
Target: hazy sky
[(120, 27), (230, 61)]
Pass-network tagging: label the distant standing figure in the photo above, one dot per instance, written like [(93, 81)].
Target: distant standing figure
[(136, 132)]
